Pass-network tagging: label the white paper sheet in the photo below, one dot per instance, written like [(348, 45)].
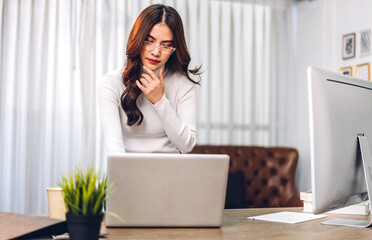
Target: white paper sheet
[(288, 217)]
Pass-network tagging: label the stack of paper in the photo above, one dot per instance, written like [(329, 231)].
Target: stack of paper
[(307, 199), (357, 209)]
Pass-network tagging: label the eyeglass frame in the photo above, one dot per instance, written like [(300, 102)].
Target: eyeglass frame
[(159, 47)]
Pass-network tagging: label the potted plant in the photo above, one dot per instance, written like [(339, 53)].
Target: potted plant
[(84, 193)]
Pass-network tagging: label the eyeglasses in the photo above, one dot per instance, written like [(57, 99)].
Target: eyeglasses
[(162, 48)]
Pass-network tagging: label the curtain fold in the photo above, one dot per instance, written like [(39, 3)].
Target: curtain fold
[(53, 53), (234, 98), (47, 97)]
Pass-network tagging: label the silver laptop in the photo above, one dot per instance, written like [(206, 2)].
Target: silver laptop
[(167, 190)]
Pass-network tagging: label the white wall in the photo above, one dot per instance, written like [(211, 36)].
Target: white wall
[(318, 29)]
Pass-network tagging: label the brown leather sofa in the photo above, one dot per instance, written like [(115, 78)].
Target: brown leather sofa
[(258, 176)]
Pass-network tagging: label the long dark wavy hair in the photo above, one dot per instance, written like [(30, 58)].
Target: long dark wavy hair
[(177, 62)]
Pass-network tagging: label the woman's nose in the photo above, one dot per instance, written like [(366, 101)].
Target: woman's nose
[(156, 51)]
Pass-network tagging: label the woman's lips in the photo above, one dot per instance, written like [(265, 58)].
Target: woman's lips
[(153, 61)]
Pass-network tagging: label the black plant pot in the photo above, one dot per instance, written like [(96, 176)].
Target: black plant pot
[(82, 227)]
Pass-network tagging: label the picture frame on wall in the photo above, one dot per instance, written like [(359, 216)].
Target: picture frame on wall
[(348, 46), (363, 71), (365, 43), (346, 71)]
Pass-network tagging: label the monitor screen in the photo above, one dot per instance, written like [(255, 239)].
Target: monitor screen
[(340, 109)]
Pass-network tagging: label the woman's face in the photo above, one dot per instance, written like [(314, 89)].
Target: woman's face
[(158, 47)]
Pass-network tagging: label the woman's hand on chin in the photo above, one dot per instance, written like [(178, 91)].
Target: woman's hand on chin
[(151, 85)]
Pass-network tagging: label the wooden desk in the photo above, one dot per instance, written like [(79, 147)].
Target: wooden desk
[(236, 226), (27, 226)]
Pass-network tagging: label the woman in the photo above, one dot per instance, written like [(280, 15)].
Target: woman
[(151, 105)]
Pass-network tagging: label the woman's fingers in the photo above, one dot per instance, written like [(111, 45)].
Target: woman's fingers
[(151, 85), (144, 82), (147, 78), (140, 85), (161, 76), (150, 72)]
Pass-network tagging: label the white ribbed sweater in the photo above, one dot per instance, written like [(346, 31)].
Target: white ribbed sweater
[(169, 126)]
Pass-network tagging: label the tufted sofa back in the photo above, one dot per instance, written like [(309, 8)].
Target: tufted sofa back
[(258, 176)]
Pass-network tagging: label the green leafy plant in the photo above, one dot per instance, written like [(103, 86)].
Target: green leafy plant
[(84, 192)]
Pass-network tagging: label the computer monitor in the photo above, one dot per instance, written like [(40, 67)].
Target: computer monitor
[(340, 110)]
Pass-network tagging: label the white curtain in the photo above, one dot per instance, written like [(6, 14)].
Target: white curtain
[(47, 115), (53, 52)]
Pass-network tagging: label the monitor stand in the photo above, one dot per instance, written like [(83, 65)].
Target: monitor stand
[(367, 166)]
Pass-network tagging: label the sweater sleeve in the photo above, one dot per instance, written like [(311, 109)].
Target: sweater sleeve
[(180, 123), (109, 105)]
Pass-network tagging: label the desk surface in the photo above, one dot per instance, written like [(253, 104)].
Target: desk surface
[(14, 225), (236, 226)]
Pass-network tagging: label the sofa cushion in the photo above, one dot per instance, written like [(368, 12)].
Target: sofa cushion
[(259, 176)]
